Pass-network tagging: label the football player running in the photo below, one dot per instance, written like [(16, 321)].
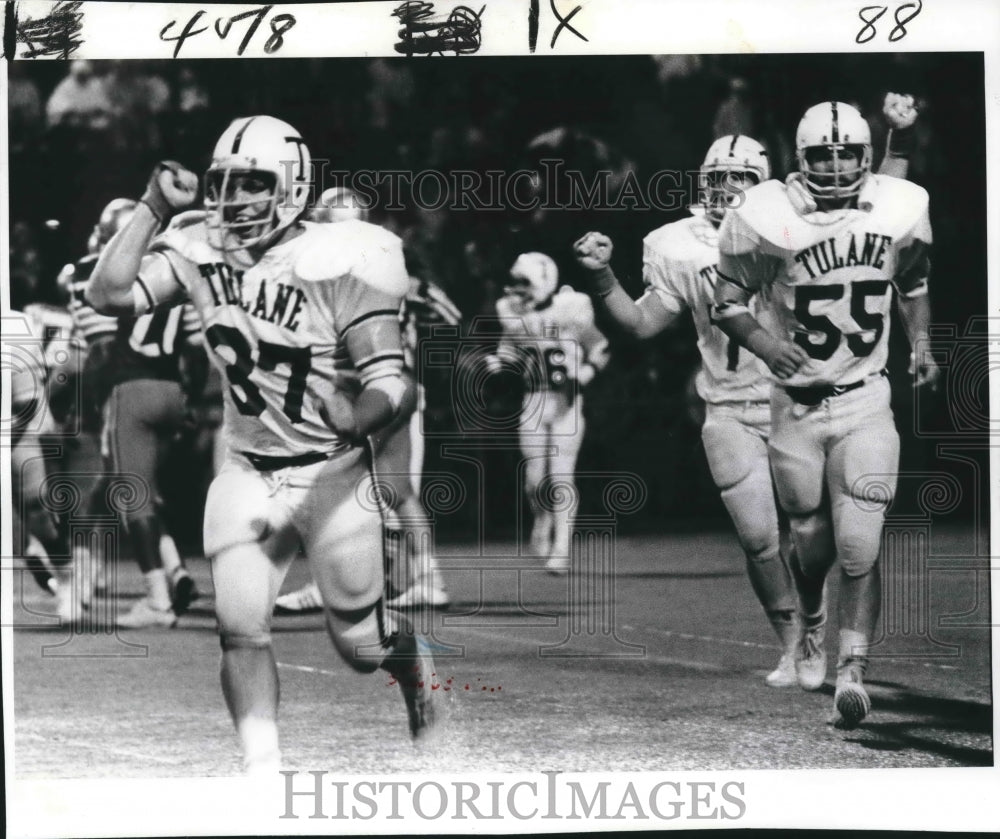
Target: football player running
[(550, 336), (302, 320), (826, 274), (679, 271)]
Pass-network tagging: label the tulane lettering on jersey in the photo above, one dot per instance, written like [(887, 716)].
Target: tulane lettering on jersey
[(274, 302), (679, 267), (275, 328), (827, 278)]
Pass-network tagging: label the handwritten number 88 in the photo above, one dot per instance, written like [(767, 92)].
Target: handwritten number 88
[(898, 32)]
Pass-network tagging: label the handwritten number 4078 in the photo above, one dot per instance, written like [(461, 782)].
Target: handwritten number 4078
[(870, 15), (280, 24)]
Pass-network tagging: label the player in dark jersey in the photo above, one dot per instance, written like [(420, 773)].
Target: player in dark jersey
[(138, 373)]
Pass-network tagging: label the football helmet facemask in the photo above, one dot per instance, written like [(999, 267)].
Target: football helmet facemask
[(113, 218), (733, 163), (826, 131), (534, 278), (258, 183)]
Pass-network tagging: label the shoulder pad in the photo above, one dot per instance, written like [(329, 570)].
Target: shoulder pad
[(189, 218), (365, 251), (187, 235), (899, 203), (573, 306), (682, 240), (768, 212)]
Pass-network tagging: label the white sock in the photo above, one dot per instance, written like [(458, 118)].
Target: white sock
[(169, 554), (259, 738), (157, 589)]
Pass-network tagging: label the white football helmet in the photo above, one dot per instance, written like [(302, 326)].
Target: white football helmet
[(113, 218), (534, 279), (339, 203), (833, 126), (729, 156), (258, 182)]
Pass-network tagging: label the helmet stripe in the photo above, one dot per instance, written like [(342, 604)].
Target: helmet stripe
[(239, 134), (836, 128), (732, 145)]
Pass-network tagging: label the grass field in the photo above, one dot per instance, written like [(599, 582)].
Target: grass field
[(665, 672)]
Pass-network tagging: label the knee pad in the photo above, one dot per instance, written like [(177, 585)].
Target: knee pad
[(858, 549), (240, 641), (360, 636), (813, 537)]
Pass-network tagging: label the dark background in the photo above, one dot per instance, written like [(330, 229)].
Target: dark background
[(619, 113)]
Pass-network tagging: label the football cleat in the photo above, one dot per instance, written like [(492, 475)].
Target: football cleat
[(303, 601), (183, 591), (411, 664), (784, 675), (850, 699), (144, 615), (557, 565), (810, 657), (426, 591), (37, 561)]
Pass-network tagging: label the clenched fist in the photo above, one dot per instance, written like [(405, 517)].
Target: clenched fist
[(593, 251), (899, 110), (784, 358), (171, 189), (593, 254)]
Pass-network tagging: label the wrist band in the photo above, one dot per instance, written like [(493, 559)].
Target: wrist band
[(900, 143), (151, 209), (603, 281)]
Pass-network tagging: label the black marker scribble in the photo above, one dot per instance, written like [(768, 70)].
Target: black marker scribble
[(56, 34), (533, 13), (460, 33), (564, 23)]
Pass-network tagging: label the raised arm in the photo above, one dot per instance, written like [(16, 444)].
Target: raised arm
[(640, 319), (115, 287), (900, 114)]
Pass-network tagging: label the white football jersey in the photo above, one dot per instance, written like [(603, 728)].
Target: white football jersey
[(827, 278), (679, 267), (276, 328), (550, 344)]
